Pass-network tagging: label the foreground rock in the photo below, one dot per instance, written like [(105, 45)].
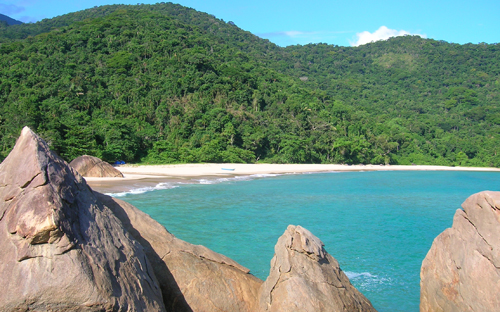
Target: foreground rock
[(192, 277), (461, 272), (66, 248), (89, 166), (60, 248), (304, 277)]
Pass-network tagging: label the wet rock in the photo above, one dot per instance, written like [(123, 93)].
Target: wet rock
[(61, 249), (304, 277), (89, 166), (461, 271)]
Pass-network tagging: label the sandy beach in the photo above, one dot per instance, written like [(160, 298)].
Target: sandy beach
[(150, 175)]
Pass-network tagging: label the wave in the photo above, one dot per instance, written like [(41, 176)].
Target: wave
[(354, 275), (170, 185), (318, 172), (236, 178), (142, 190), (265, 175), (212, 181), (366, 279)]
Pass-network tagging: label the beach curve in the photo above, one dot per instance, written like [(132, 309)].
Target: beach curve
[(137, 176)]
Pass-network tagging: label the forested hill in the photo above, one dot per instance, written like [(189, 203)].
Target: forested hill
[(164, 83), (446, 94), (7, 21)]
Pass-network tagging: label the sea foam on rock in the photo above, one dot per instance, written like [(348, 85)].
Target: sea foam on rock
[(461, 271), (61, 249)]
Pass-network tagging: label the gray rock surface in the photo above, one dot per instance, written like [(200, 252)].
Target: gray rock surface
[(461, 271), (304, 277), (60, 248), (90, 166), (192, 277)]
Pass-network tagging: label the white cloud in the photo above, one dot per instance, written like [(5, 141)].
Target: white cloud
[(290, 33), (295, 33), (383, 33)]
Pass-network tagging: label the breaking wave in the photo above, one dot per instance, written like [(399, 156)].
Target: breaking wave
[(142, 190), (366, 279), (171, 185)]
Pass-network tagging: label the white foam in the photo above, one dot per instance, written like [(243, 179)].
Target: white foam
[(213, 181), (265, 175), (164, 186), (236, 178), (354, 275), (319, 172), (205, 181), (142, 190), (366, 279)]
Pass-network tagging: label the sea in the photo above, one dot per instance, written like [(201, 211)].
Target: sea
[(379, 225)]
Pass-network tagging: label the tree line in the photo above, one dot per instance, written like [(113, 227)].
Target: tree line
[(166, 84)]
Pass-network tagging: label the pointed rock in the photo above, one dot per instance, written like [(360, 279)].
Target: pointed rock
[(304, 277), (89, 166), (61, 249), (192, 277), (461, 271)]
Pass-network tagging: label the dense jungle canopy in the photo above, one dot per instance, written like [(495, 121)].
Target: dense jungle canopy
[(164, 84)]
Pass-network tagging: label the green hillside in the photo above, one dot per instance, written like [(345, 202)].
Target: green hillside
[(164, 83), (434, 99), (8, 21)]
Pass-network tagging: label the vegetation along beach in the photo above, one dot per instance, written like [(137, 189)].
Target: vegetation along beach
[(165, 84), (249, 156)]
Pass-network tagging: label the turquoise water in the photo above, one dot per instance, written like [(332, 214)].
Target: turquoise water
[(378, 225)]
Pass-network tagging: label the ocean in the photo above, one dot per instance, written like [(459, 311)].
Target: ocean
[(379, 225)]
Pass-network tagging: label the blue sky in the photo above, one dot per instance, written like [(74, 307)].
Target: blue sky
[(342, 23)]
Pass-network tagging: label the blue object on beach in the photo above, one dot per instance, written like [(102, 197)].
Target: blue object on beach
[(228, 169)]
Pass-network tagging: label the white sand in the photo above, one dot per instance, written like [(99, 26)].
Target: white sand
[(149, 176), (194, 170)]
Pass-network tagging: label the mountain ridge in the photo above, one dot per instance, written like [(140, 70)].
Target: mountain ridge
[(225, 95), (9, 20)]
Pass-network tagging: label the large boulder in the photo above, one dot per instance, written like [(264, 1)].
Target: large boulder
[(89, 166), (61, 249), (461, 271), (304, 277), (192, 277)]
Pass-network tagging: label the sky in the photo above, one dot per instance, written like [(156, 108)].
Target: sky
[(343, 23)]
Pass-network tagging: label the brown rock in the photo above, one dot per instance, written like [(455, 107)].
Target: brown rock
[(192, 277), (461, 271), (304, 277), (61, 249), (89, 166)]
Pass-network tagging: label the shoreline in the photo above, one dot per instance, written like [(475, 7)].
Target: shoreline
[(149, 176)]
